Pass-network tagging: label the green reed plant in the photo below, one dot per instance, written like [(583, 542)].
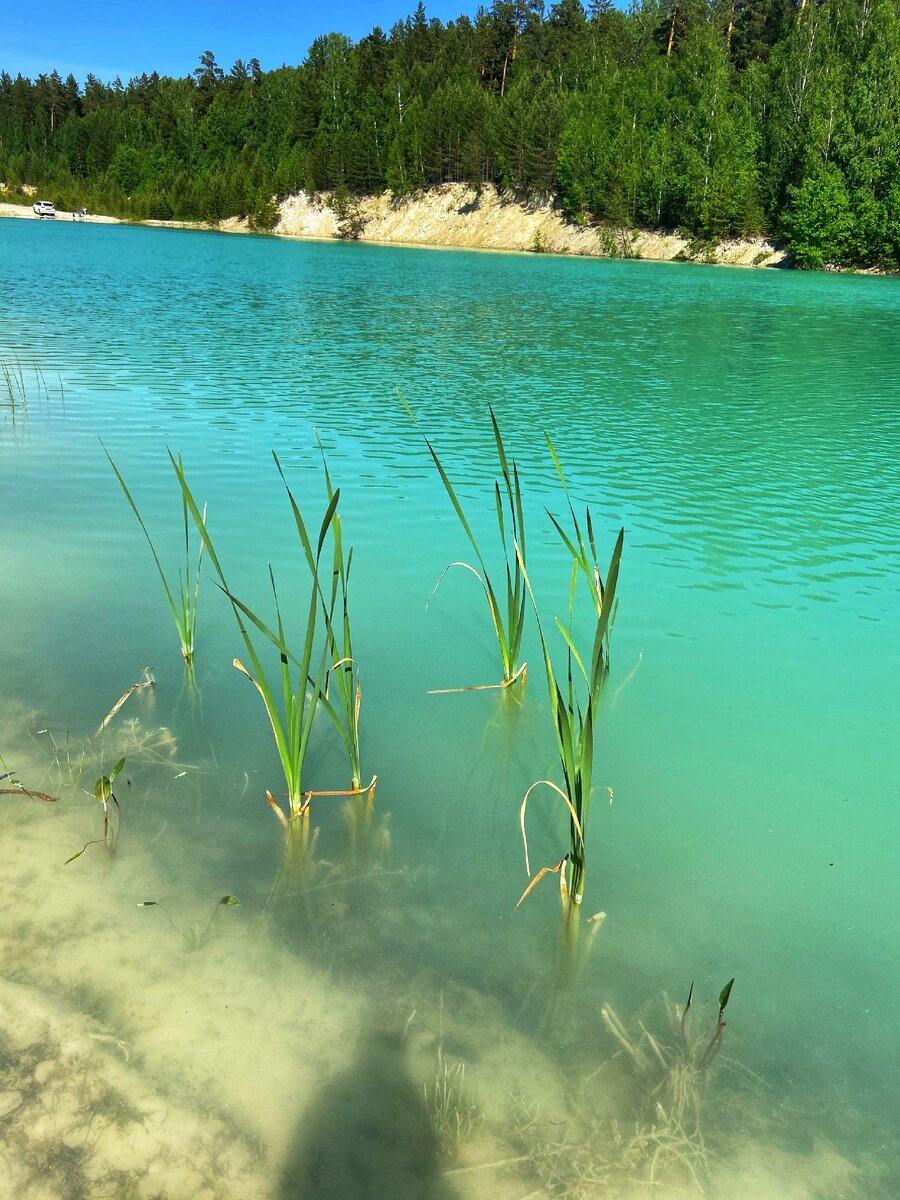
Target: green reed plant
[(292, 701), (575, 694), (507, 606), (585, 565), (20, 392), (16, 391), (343, 672), (184, 610), (291, 714)]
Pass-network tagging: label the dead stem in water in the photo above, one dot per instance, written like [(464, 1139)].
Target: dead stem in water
[(146, 681)]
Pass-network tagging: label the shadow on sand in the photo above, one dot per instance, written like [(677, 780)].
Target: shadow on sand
[(367, 1136)]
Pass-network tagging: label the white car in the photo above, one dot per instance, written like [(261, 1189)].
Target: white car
[(43, 208)]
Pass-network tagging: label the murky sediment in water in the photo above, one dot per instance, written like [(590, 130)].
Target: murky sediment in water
[(372, 1019), (191, 1052)]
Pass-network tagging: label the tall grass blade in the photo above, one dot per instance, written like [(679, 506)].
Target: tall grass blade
[(574, 718), (184, 612), (508, 620)]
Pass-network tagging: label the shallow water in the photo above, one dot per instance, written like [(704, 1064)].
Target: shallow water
[(741, 425)]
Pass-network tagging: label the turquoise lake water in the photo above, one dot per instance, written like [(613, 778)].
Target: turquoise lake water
[(743, 426)]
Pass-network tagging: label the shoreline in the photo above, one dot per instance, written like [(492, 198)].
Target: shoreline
[(459, 216)]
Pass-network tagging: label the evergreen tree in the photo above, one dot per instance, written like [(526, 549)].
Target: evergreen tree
[(716, 116)]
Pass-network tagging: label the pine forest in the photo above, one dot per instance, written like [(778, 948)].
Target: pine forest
[(719, 118)]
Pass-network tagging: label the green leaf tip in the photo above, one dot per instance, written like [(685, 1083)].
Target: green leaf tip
[(725, 993), (103, 786)]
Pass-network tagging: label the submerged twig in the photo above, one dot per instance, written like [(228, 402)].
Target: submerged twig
[(21, 791), (147, 682)]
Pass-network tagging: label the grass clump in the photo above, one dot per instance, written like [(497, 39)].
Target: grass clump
[(293, 695), (657, 1133), (672, 1076), (453, 1112), (452, 1109)]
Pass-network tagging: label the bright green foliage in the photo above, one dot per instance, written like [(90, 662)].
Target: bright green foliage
[(707, 116), (506, 606), (342, 670), (821, 224), (290, 703), (294, 694), (574, 694)]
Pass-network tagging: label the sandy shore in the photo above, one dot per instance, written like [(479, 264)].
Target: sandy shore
[(26, 211), (464, 217)]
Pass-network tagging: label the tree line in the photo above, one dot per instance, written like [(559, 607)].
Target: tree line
[(716, 117)]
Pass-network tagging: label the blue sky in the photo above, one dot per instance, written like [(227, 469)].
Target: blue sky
[(131, 36)]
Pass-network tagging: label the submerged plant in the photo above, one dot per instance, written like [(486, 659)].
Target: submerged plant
[(184, 610), (508, 614), (192, 935), (574, 704), (76, 758), (661, 1137), (368, 834), (146, 681), (672, 1075), (451, 1107), (112, 814)]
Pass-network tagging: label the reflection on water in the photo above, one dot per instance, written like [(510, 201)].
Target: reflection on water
[(742, 426)]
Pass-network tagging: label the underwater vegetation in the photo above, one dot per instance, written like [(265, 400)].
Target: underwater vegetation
[(665, 1081), (112, 814), (321, 672), (673, 1073), (318, 674), (193, 935)]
